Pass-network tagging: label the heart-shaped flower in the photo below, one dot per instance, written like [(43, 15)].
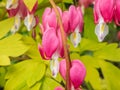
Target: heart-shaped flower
[(77, 72)]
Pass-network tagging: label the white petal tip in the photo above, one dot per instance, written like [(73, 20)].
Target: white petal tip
[(101, 30), (54, 67), (75, 38)]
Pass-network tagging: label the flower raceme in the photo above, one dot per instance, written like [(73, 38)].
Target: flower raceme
[(103, 13), (51, 48), (18, 9), (77, 73), (73, 24)]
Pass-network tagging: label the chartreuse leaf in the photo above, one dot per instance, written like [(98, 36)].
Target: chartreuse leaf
[(111, 75), (87, 44), (13, 46), (4, 60), (40, 1), (92, 75), (36, 86), (33, 52), (5, 26), (25, 74), (2, 76), (68, 1), (109, 52), (49, 84), (30, 4)]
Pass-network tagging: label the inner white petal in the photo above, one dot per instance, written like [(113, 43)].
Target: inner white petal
[(75, 37), (29, 21), (16, 25), (101, 30), (11, 4), (54, 65)]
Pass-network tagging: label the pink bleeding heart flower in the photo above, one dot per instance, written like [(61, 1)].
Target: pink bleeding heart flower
[(59, 88), (65, 21), (117, 12), (77, 72), (49, 19), (51, 48), (18, 9), (103, 13), (49, 43), (73, 23), (85, 3)]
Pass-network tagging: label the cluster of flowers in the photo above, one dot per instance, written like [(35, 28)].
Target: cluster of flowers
[(52, 47), (105, 11), (17, 9)]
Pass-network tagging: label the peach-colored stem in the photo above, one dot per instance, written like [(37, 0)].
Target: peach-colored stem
[(64, 41)]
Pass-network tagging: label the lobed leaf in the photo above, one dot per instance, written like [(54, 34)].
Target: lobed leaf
[(24, 74), (5, 26)]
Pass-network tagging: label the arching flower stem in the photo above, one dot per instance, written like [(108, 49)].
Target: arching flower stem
[(64, 41)]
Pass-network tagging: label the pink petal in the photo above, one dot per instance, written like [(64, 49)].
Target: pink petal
[(59, 88), (86, 3), (65, 20), (22, 9), (104, 9), (81, 23), (107, 9), (42, 52), (12, 12), (97, 13), (77, 73), (74, 18), (49, 42), (49, 18), (63, 68), (60, 48), (117, 12)]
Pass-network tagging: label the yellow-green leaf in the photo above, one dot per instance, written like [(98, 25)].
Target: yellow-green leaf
[(4, 60), (30, 4), (26, 73), (109, 52), (13, 46), (111, 75), (5, 26)]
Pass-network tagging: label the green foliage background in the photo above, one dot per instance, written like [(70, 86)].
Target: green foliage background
[(22, 68)]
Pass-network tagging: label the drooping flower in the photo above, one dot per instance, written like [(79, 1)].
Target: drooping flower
[(30, 21), (73, 23), (117, 12), (85, 3), (17, 22), (103, 13), (59, 88), (51, 48), (17, 9), (77, 72), (49, 19)]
